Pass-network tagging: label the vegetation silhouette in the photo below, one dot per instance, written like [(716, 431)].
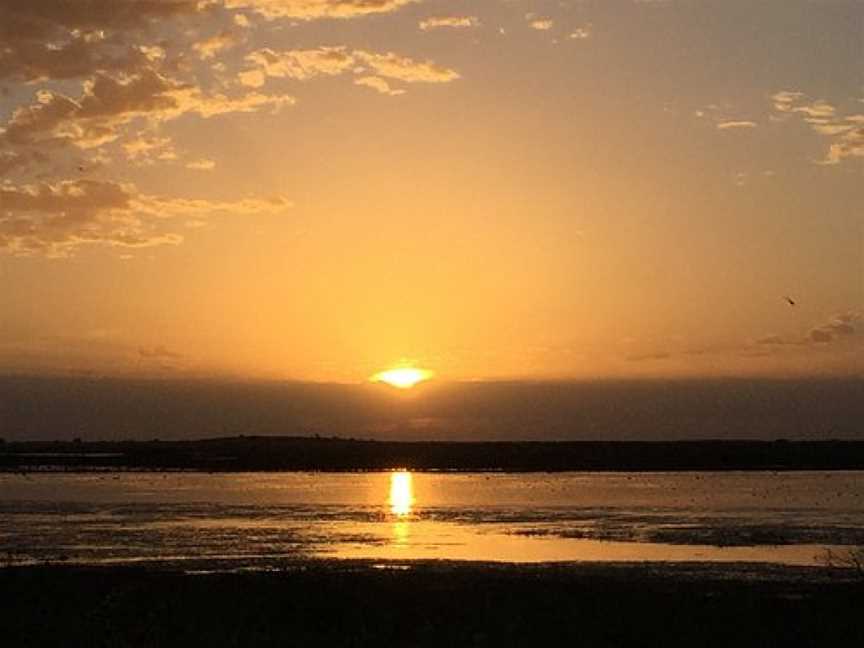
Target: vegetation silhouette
[(251, 453), (430, 604), (850, 559)]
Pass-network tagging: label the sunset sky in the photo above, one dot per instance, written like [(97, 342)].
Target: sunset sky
[(323, 189)]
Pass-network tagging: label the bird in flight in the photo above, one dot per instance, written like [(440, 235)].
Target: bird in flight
[(789, 299)]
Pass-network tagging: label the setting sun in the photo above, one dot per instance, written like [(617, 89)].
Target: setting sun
[(402, 378)]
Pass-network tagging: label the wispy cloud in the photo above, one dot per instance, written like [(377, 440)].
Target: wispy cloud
[(55, 219), (727, 125), (845, 132), (148, 148), (159, 352), (724, 117), (107, 103), (449, 22), (836, 329), (302, 65), (378, 84), (201, 165), (316, 9), (210, 47), (541, 24), (112, 74), (840, 326), (65, 40), (402, 68), (646, 357)]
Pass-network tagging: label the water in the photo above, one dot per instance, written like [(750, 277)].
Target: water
[(263, 519)]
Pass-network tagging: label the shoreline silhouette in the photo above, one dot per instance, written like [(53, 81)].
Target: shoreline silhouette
[(266, 453)]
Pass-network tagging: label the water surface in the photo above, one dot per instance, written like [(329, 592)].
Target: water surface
[(259, 519)]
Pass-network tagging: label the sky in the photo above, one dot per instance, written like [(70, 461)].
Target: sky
[(317, 190)]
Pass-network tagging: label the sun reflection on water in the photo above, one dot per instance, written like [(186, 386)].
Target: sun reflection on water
[(401, 493), (401, 531)]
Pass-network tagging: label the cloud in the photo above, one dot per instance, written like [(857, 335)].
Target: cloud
[(65, 40), (160, 358), (642, 357), (821, 336), (849, 145), (144, 62), (846, 132), (201, 165), (112, 73), (92, 119), (840, 326), (542, 24), (158, 352), (317, 9), (451, 22), (10, 161), (158, 207), (379, 84), (402, 68), (773, 340), (210, 47), (790, 102), (784, 100), (147, 149), (192, 101), (333, 61), (54, 219), (580, 33), (296, 64), (836, 333), (75, 38), (736, 124), (107, 104), (719, 116)]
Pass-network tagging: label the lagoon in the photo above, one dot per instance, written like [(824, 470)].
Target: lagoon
[(261, 520)]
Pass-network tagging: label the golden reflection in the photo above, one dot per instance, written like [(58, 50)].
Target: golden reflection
[(400, 532), (401, 493)]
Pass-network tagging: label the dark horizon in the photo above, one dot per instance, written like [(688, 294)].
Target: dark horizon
[(41, 408)]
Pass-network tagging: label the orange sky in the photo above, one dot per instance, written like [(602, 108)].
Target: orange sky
[(319, 190)]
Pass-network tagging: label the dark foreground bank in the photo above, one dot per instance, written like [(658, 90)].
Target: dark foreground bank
[(431, 604)]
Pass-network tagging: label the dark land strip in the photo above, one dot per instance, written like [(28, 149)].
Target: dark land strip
[(332, 603), (253, 453)]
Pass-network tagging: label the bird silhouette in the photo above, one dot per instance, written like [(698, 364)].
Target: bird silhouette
[(790, 300)]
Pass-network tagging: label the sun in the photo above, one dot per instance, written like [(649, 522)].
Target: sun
[(403, 377)]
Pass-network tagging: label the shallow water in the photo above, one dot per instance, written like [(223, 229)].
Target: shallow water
[(262, 518)]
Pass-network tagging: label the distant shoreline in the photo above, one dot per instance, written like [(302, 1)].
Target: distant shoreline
[(286, 454)]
